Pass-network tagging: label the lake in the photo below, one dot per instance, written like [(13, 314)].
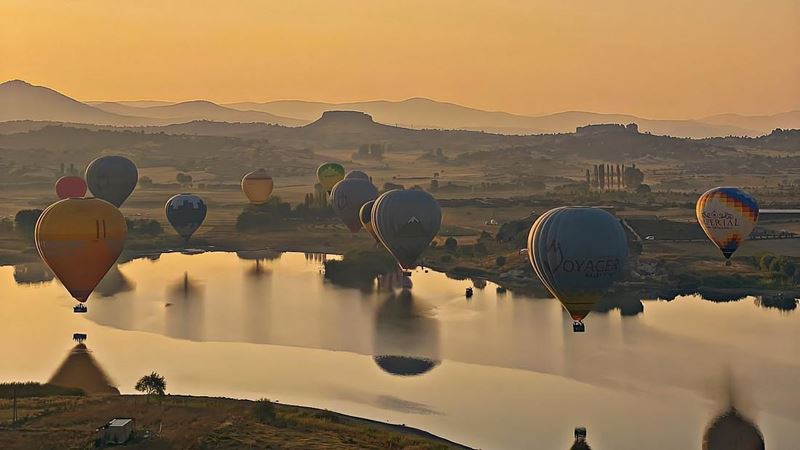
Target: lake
[(497, 371)]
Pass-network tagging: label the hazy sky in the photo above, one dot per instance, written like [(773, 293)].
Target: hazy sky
[(669, 58)]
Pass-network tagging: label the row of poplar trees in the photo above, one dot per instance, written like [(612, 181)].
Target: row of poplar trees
[(614, 177)]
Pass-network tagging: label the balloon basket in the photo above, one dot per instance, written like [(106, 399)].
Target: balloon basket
[(578, 327), (79, 337), (728, 263), (79, 309)]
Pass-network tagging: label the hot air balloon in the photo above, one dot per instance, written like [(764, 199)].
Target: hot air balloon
[(727, 215), (365, 216), (257, 186), (578, 253), (348, 196), (112, 178), (329, 174), (80, 239), (70, 186), (406, 222), (357, 174), (185, 212)]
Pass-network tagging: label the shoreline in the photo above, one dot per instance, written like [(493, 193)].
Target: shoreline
[(514, 284)]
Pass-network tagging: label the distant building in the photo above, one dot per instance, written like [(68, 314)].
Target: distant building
[(118, 431), (604, 128)]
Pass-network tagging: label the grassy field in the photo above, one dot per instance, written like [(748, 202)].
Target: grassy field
[(174, 422)]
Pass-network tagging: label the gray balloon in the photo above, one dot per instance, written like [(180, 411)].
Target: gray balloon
[(406, 222), (578, 253), (112, 178), (357, 174), (185, 212), (347, 197)]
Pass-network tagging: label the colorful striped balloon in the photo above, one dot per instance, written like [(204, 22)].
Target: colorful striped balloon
[(727, 216)]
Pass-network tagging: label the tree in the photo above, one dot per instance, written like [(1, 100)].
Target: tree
[(264, 411), (434, 185), (450, 244), (183, 178), (765, 262), (633, 177), (25, 220), (145, 181), (153, 384)]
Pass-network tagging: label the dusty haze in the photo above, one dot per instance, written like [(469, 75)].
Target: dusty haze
[(675, 59)]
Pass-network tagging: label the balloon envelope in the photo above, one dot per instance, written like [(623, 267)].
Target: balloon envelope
[(357, 174), (257, 186), (727, 216), (70, 186), (329, 174), (365, 216), (185, 212), (406, 222), (578, 253), (80, 239), (348, 196), (112, 178)]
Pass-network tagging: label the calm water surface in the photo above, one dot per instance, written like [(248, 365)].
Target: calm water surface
[(498, 371)]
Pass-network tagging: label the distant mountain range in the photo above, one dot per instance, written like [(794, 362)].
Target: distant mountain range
[(22, 101), (425, 113)]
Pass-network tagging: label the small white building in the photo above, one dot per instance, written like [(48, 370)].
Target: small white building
[(118, 431)]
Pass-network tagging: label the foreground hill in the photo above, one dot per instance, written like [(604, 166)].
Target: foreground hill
[(206, 423)]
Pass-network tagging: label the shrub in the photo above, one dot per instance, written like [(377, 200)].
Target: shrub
[(25, 220), (500, 261), (765, 262), (144, 227), (451, 244), (446, 258), (264, 411)]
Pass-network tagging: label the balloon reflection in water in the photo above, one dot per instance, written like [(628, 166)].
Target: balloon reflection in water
[(406, 342), (259, 257), (185, 310), (81, 371), (114, 282)]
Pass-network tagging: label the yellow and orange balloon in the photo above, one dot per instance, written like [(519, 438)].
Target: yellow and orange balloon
[(80, 239), (727, 216), (257, 186)]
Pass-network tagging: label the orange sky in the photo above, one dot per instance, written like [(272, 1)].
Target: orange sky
[(668, 58)]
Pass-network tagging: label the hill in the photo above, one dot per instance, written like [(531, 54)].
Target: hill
[(181, 422), (23, 101), (421, 113), (20, 100), (196, 110)]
